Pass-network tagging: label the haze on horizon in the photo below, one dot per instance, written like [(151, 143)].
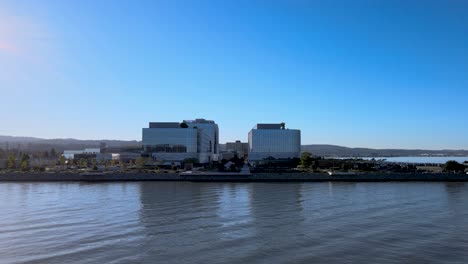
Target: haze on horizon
[(378, 74)]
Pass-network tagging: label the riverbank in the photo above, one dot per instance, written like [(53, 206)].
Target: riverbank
[(229, 177)]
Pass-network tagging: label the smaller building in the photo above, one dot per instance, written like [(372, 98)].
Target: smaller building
[(239, 148), (128, 156), (107, 157), (87, 152)]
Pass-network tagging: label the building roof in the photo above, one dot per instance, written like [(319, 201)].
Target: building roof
[(269, 126), (164, 125), (200, 121)]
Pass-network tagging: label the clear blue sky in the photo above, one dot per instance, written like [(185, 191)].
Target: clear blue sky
[(354, 73)]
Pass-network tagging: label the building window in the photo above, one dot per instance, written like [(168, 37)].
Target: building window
[(166, 148)]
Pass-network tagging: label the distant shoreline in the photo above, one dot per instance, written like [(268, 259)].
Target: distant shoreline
[(232, 177), (325, 150), (410, 159)]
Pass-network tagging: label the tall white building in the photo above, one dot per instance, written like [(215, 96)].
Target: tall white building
[(173, 141), (207, 139), (274, 140)]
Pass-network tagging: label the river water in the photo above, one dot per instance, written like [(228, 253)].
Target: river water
[(181, 222)]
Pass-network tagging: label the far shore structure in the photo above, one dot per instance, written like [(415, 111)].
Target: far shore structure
[(193, 145), (274, 141), (199, 140), (175, 142)]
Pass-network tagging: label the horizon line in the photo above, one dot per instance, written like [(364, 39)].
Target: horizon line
[(307, 144)]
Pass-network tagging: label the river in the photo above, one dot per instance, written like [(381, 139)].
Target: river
[(183, 222)]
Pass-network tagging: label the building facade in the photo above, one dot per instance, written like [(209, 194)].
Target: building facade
[(175, 142), (207, 139), (274, 141)]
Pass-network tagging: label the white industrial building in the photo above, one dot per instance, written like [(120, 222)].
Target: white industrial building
[(173, 141), (274, 140), (70, 154), (90, 153)]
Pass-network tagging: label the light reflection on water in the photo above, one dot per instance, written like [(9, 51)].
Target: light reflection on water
[(181, 222)]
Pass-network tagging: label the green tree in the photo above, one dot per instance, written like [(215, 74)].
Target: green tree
[(53, 153), (11, 163), (83, 162), (454, 166), (24, 165), (94, 164), (140, 162), (306, 159), (174, 166), (24, 157), (62, 161), (183, 125)]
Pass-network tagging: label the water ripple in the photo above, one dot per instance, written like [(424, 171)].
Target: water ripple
[(233, 223)]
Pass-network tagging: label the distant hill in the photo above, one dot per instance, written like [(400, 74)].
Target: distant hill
[(39, 144), (18, 139), (339, 151)]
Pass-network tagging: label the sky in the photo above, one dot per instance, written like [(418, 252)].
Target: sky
[(380, 74)]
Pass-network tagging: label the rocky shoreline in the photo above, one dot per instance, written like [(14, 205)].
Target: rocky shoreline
[(230, 177)]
